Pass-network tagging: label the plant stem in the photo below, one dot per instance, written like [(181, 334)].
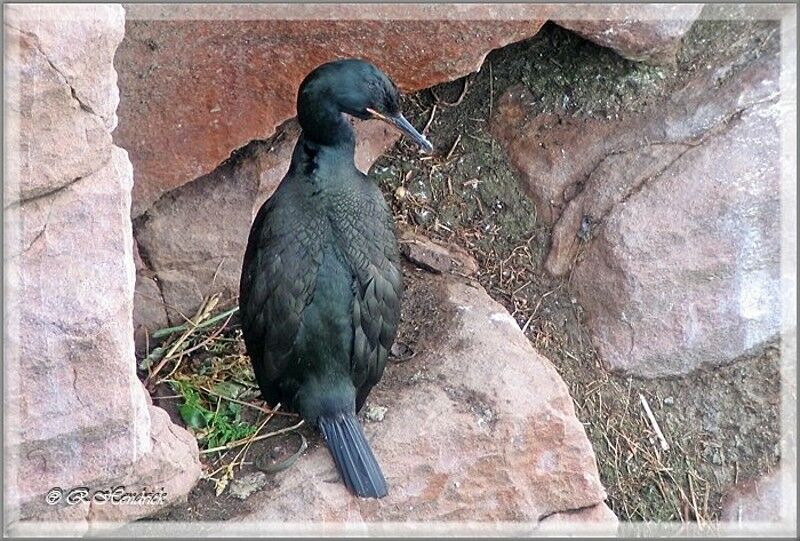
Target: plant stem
[(170, 330), (247, 440)]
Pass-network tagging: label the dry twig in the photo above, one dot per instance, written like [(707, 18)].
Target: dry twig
[(653, 423), (245, 441)]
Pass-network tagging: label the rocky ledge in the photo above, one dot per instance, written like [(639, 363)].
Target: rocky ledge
[(474, 426)]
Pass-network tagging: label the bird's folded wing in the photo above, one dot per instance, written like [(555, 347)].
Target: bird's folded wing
[(279, 274), (369, 246)]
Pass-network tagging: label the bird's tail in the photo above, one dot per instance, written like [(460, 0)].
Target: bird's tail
[(353, 457)]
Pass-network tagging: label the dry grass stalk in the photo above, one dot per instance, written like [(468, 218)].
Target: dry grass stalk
[(654, 424), (244, 441)]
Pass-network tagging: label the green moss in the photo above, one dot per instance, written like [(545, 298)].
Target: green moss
[(569, 74)]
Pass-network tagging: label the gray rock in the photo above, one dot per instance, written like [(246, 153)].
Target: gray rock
[(649, 33), (243, 487), (375, 413), (680, 268)]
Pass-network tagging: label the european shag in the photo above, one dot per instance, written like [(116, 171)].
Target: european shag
[(321, 282)]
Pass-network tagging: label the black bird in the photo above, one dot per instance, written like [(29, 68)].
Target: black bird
[(321, 281)]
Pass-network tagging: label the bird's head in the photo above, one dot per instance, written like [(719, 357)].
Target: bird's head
[(359, 89)]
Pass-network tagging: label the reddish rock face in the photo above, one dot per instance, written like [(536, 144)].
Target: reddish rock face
[(192, 91), (669, 218), (464, 437), (649, 33)]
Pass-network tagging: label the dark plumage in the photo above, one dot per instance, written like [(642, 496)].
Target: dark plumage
[(321, 282)]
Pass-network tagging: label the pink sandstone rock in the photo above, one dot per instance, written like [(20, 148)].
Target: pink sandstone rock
[(59, 140), (594, 520), (649, 33), (479, 428), (433, 255), (771, 498), (669, 217), (76, 413)]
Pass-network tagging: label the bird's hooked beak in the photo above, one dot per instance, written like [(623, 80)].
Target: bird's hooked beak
[(400, 122)]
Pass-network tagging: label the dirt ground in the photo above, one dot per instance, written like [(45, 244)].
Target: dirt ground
[(722, 426)]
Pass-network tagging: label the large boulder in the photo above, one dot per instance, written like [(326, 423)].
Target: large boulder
[(478, 428), (76, 414), (62, 104), (668, 219), (192, 240), (649, 33), (197, 84)]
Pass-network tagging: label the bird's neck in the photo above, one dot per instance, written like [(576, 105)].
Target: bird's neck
[(320, 161), (324, 124)]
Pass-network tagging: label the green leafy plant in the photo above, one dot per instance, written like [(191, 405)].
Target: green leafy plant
[(212, 427)]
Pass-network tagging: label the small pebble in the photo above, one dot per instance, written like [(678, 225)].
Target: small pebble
[(375, 413), (243, 487), (668, 401), (423, 217)]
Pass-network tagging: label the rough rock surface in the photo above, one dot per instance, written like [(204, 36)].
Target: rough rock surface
[(193, 239), (649, 33), (479, 427), (435, 256), (76, 414), (669, 217), (62, 104), (763, 500), (242, 75), (149, 311), (597, 519), (171, 467)]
